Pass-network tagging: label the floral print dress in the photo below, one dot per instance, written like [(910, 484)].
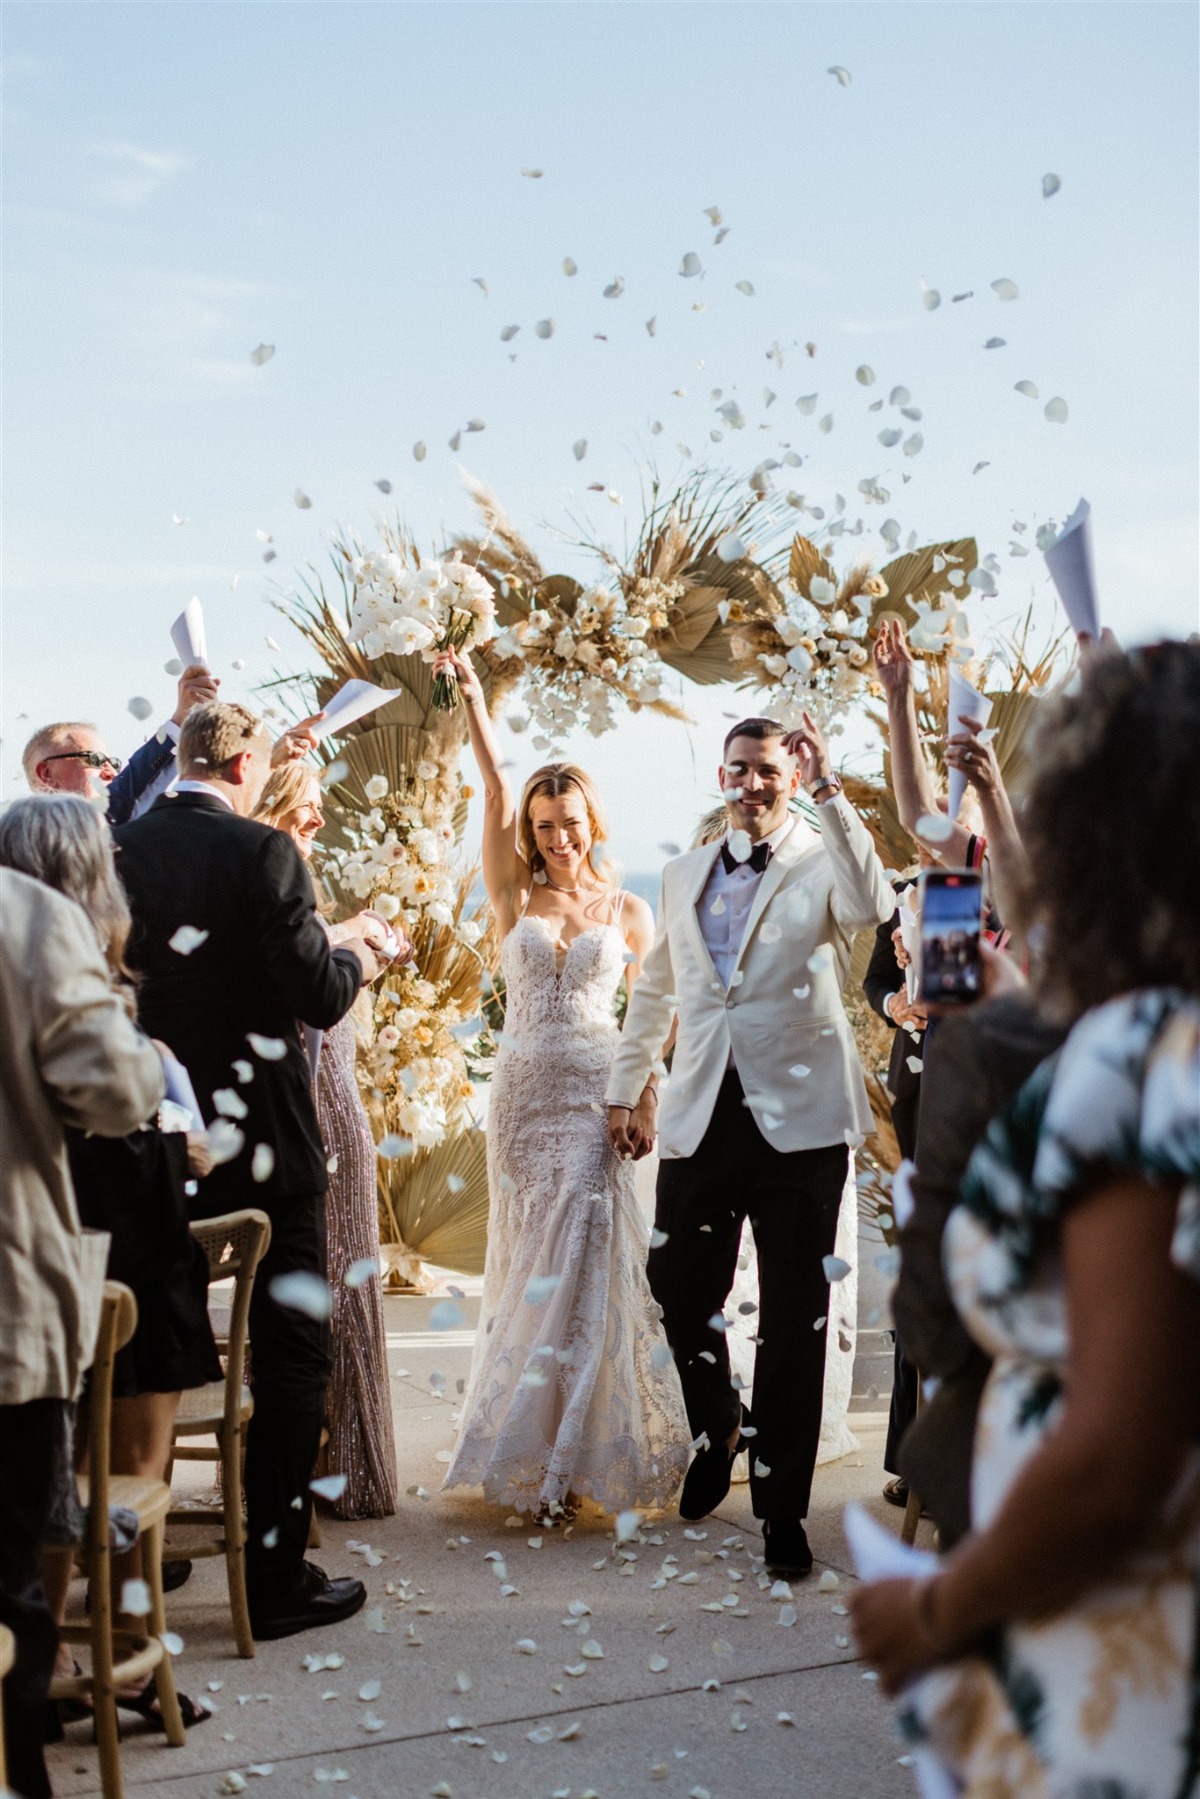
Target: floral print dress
[(1101, 1701)]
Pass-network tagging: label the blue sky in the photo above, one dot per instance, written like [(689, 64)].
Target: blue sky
[(185, 181)]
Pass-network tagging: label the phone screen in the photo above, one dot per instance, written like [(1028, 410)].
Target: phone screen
[(951, 904)]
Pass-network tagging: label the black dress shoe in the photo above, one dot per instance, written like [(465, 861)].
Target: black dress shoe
[(176, 1575), (785, 1549), (707, 1480), (313, 1601)]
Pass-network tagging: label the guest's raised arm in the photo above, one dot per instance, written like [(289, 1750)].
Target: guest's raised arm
[(912, 778)]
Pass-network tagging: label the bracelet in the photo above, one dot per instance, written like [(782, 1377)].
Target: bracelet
[(824, 781), (650, 1089)]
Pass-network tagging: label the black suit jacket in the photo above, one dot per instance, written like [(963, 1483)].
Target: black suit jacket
[(885, 976), (265, 963)]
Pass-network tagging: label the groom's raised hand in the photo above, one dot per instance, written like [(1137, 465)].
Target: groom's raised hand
[(807, 744)]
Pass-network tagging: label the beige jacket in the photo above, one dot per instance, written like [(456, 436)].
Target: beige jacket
[(783, 1009), (69, 1054)]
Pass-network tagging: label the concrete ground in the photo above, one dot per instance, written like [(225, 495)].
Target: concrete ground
[(568, 1671)]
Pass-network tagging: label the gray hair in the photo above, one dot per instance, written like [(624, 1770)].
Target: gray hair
[(50, 737), (64, 842)]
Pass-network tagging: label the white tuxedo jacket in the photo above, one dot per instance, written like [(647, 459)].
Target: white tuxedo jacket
[(783, 1008)]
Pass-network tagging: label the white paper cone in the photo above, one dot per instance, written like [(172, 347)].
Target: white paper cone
[(349, 704), (967, 701), (910, 937), (187, 634), (1069, 560)]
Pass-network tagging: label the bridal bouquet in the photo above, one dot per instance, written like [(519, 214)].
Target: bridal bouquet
[(403, 609)]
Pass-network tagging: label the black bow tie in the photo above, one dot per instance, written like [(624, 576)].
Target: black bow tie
[(758, 858)]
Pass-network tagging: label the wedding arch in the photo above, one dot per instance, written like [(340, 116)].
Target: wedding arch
[(719, 587)]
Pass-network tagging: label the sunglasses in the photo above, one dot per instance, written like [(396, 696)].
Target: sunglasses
[(91, 758)]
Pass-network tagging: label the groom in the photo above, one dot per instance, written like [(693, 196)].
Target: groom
[(751, 952)]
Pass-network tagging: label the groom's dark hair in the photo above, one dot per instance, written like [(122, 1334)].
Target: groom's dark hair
[(760, 728)]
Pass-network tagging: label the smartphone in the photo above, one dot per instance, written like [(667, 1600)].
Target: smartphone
[(950, 966)]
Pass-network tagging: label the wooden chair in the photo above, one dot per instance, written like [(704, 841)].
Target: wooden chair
[(234, 1244), (8, 1651), (141, 1651)]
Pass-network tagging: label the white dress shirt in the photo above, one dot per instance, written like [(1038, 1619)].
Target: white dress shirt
[(203, 787), (732, 896)]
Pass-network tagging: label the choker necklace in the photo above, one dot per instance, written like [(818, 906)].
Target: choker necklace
[(543, 880)]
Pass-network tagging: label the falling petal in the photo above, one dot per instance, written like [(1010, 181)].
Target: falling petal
[(533, 174), (139, 707), (360, 1272), (301, 500), (1028, 388), (508, 333), (934, 827), (690, 265), (889, 437), (331, 1487), (807, 403), (995, 343), (843, 75), (476, 425), (714, 215), (186, 939), (268, 1049), (479, 282), (301, 1291), (570, 266), (652, 327), (262, 1162), (914, 445), (1050, 186), (135, 1598), (1004, 289), (544, 328), (446, 1316), (865, 375), (930, 298), (615, 288), (722, 234), (455, 440), (384, 486), (745, 287), (825, 425), (979, 466), (835, 1268), (579, 449), (1056, 411), (262, 354), (957, 299), (911, 412), (730, 548), (418, 452)]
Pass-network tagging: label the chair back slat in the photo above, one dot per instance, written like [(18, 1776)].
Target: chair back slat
[(118, 1321), (235, 1244)]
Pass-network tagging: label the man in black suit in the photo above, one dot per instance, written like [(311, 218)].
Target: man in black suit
[(887, 993), (231, 955)]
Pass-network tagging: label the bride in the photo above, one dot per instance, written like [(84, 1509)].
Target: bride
[(572, 1390)]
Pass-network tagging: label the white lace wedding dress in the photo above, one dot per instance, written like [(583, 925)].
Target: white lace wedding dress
[(572, 1389)]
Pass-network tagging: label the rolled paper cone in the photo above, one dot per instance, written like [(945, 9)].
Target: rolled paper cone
[(349, 704), (1069, 560), (965, 702), (187, 634)]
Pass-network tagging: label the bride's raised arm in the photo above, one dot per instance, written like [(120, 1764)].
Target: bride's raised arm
[(506, 875)]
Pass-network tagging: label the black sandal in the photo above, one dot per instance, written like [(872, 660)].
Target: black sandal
[(145, 1704)]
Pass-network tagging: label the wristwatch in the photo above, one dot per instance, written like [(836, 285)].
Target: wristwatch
[(833, 782)]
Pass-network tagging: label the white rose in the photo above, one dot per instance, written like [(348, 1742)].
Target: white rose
[(821, 591), (388, 1037), (774, 665), (428, 771), (800, 660), (376, 788), (387, 905)]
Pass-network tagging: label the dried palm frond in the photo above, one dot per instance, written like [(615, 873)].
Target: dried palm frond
[(913, 577), (804, 561), (435, 1202)]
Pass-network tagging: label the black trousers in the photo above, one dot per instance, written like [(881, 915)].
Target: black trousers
[(29, 1436), (289, 1366), (792, 1200)]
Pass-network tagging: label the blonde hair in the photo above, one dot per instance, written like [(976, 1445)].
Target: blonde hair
[(285, 792), (211, 736), (551, 783), (40, 745)]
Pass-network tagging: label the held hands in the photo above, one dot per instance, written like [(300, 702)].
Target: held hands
[(976, 760), (197, 687), (456, 665), (893, 659), (903, 1011), (296, 742), (808, 746)]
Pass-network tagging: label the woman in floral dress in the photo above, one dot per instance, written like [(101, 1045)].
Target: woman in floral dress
[(1056, 1652)]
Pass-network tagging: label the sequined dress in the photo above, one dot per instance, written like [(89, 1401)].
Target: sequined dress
[(358, 1401), (572, 1387)]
